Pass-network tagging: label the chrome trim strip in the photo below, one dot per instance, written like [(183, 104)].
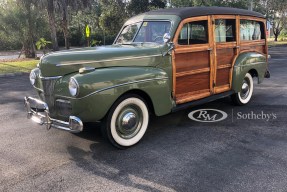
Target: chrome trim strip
[(50, 78), (108, 60), (111, 87), (63, 101)]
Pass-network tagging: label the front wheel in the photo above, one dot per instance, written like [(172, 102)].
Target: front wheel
[(126, 122), (245, 94)]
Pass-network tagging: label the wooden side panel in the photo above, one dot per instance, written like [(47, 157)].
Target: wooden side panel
[(191, 61), (225, 56), (258, 48), (192, 83), (222, 77)]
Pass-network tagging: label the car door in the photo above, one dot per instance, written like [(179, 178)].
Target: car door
[(226, 46), (193, 67)]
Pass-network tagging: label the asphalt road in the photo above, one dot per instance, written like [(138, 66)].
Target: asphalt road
[(176, 154)]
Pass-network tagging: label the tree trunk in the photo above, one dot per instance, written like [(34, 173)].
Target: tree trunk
[(52, 23), (29, 48), (66, 36), (276, 37), (276, 32), (65, 23)]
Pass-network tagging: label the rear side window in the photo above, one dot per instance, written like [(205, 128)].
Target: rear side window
[(194, 33), (251, 30), (225, 30)]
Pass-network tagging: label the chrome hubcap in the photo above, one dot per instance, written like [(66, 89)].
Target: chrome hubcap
[(129, 122), (245, 89)]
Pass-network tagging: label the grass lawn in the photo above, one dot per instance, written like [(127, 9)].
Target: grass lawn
[(17, 66), (276, 43)]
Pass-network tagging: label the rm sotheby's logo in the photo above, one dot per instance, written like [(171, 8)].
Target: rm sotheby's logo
[(207, 115)]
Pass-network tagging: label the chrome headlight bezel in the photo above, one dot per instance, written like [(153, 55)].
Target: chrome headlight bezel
[(73, 87), (33, 76)]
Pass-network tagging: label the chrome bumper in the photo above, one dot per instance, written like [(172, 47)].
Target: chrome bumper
[(38, 111)]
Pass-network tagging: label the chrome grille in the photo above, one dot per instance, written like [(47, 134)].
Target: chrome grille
[(48, 84), (63, 107)]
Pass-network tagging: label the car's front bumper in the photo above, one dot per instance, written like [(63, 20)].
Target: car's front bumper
[(38, 111)]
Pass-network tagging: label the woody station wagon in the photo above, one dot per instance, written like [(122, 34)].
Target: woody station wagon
[(160, 62)]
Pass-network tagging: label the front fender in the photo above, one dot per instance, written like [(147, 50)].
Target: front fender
[(246, 62), (101, 88)]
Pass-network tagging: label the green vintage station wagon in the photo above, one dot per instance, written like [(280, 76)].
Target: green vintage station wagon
[(160, 62)]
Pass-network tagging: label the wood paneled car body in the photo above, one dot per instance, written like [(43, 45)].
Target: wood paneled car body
[(160, 62)]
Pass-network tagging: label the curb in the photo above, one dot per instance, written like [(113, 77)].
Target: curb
[(13, 74)]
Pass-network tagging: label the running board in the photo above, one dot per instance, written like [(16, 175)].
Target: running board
[(202, 101)]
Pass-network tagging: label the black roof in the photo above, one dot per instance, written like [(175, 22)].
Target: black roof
[(187, 12)]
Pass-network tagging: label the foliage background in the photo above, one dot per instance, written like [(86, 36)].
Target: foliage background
[(24, 22)]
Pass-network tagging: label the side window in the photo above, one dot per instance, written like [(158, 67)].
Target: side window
[(225, 30), (194, 33), (251, 30)]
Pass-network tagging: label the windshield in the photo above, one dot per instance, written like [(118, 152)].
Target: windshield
[(147, 31)]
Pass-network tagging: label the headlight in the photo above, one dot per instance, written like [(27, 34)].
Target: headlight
[(73, 87), (33, 76)]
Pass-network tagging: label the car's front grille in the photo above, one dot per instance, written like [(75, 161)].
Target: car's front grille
[(63, 107), (48, 89)]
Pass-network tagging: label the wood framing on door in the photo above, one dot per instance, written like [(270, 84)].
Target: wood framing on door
[(226, 49), (193, 60)]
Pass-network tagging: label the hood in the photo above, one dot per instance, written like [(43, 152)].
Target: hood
[(65, 62)]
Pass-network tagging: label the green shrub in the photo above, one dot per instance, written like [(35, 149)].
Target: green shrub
[(283, 35)]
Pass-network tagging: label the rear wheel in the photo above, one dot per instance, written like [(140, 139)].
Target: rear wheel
[(245, 94), (126, 122)]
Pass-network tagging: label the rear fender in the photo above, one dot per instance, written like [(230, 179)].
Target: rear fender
[(252, 62)]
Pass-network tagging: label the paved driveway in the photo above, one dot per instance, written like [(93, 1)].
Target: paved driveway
[(176, 154)]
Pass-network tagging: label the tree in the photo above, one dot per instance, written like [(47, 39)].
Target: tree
[(276, 13), (157, 4), (223, 3), (49, 6), (52, 24), (182, 3), (28, 45), (136, 7), (22, 21), (65, 7), (113, 16), (64, 22)]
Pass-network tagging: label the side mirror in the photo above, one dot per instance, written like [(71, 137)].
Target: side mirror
[(166, 37)]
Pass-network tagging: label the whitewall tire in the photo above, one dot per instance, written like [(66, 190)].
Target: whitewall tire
[(126, 122), (244, 96)]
